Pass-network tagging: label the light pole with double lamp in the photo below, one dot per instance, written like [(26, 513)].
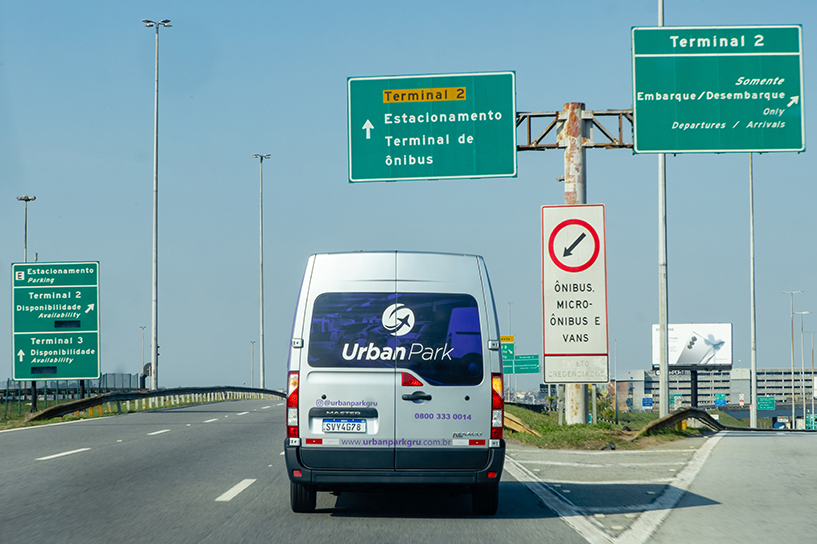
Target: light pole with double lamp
[(791, 294), (261, 289), (27, 199), (154, 330), (803, 369)]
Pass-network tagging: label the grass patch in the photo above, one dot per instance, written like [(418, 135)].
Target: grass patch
[(591, 437)]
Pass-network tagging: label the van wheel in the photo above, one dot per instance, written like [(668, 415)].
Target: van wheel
[(485, 500), (302, 497)]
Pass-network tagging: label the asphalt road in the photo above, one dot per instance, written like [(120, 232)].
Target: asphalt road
[(215, 473), (156, 477)]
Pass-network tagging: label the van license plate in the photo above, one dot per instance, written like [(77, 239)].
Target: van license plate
[(344, 425)]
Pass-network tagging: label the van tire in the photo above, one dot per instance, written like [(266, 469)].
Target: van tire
[(302, 498), (485, 500)]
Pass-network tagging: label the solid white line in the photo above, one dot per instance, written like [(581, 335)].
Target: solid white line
[(159, 432), (211, 420), (592, 465), (242, 413), (61, 454), (236, 489)]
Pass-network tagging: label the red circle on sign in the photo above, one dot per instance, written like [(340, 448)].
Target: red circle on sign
[(596, 247)]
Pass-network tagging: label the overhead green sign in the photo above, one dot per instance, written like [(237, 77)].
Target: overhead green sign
[(55, 325), (526, 364), (718, 89), (432, 126), (765, 403)]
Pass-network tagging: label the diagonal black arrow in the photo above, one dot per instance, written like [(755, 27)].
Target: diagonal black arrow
[(569, 250)]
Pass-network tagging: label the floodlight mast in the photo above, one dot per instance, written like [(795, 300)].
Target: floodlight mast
[(154, 363), (261, 158)]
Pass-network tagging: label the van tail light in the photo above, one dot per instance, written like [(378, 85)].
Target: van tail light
[(410, 381), (497, 407), (292, 406)]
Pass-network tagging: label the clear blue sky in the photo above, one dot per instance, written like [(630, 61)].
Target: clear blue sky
[(244, 77)]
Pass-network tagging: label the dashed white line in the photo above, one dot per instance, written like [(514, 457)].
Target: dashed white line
[(159, 432), (62, 454), (265, 407), (211, 420), (242, 413), (235, 490)]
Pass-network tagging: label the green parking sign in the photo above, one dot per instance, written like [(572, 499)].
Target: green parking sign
[(55, 325)]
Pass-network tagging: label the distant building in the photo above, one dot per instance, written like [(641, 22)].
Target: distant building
[(637, 388)]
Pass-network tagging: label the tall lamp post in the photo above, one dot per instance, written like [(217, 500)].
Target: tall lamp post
[(154, 330), (27, 199), (812, 376), (252, 363), (803, 368), (791, 294), (261, 252)]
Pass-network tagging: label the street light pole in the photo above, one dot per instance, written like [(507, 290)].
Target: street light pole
[(252, 364), (154, 330), (27, 199), (803, 367), (791, 294), (261, 252)]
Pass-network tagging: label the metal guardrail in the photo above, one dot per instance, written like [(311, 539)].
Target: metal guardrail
[(704, 417), (209, 393)]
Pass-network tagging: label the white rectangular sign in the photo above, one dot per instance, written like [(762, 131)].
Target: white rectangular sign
[(696, 346), (574, 294)]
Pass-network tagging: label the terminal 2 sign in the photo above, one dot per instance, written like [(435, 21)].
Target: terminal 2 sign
[(718, 89), (403, 128)]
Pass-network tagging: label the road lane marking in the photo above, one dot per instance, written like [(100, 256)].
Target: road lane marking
[(159, 432), (211, 420), (242, 413), (644, 526), (235, 490), (265, 407), (62, 454)]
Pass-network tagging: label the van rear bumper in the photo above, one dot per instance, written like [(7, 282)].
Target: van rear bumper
[(335, 479)]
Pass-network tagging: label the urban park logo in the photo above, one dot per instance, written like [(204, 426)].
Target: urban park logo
[(398, 319)]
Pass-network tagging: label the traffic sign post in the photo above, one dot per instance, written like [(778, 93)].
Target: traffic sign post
[(574, 294), (55, 325), (718, 89), (432, 127)]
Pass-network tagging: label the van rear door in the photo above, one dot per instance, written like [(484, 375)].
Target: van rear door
[(443, 385), (347, 384)]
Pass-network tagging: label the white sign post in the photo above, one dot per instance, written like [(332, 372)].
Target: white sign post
[(574, 294)]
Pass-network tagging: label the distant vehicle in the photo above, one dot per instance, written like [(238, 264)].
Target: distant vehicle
[(395, 378)]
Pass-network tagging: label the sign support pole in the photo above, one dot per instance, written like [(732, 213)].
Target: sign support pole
[(753, 381), (571, 138), (663, 298)]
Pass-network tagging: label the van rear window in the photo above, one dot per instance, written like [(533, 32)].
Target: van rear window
[(436, 335)]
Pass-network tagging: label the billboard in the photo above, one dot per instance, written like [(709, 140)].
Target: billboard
[(696, 346)]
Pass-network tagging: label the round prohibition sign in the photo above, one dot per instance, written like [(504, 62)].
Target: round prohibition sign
[(596, 246)]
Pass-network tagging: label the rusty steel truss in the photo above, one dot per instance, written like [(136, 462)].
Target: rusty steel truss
[(535, 143)]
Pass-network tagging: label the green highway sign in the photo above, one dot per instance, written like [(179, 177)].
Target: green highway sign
[(718, 89), (765, 403), (507, 357), (443, 126), (55, 325), (526, 364)]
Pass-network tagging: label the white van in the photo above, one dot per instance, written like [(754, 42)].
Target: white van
[(395, 377)]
